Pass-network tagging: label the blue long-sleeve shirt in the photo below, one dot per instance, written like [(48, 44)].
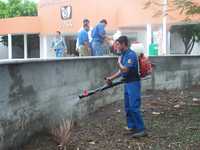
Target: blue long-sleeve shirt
[(83, 37), (130, 60), (98, 33)]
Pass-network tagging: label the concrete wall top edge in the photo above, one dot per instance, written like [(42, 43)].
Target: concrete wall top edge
[(21, 61)]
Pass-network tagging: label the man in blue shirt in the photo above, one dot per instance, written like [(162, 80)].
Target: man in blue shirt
[(83, 41), (128, 69), (98, 37)]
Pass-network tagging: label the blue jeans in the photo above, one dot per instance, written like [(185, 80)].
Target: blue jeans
[(59, 52), (98, 49), (132, 97)]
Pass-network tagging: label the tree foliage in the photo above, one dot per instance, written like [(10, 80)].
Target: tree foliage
[(190, 33), (13, 8), (187, 7)]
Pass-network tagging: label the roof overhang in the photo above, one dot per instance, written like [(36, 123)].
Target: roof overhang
[(20, 25)]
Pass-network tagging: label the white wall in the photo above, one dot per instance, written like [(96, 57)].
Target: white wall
[(139, 34), (50, 51), (196, 49), (3, 52)]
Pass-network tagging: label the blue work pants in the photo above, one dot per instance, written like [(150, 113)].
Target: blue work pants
[(132, 97)]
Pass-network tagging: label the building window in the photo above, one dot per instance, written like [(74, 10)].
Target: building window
[(18, 46), (33, 45), (4, 47)]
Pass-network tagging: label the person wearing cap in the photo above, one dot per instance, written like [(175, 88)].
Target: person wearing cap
[(59, 45), (128, 69), (98, 37)]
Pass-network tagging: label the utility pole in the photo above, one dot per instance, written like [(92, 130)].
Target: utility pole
[(164, 28)]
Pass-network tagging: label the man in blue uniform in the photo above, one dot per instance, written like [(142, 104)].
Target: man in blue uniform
[(128, 69), (83, 41), (98, 37)]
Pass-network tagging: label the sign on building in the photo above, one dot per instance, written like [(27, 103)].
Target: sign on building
[(66, 12)]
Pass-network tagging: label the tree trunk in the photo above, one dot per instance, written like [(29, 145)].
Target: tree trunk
[(191, 47), (189, 44)]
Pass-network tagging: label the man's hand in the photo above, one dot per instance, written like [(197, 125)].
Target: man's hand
[(119, 60), (121, 67), (108, 80), (112, 77)]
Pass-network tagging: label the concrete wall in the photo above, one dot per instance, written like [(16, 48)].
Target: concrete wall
[(33, 94), (36, 92), (173, 72)]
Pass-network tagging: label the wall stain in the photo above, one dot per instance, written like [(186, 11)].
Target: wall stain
[(18, 92)]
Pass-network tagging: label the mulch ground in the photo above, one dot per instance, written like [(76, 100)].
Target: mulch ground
[(172, 120)]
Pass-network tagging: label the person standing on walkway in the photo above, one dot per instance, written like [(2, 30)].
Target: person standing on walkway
[(59, 45), (98, 37), (83, 39), (128, 69)]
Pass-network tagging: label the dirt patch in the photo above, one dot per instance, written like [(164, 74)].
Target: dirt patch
[(172, 119)]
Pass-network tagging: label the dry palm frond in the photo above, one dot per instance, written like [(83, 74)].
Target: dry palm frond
[(61, 133)]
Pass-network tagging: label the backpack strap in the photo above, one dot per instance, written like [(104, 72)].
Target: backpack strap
[(138, 57)]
